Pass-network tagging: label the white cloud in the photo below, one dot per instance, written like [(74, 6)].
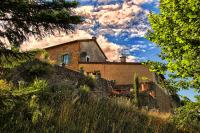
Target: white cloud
[(138, 47), (116, 18), (139, 2), (58, 38), (127, 1), (132, 58), (111, 50), (143, 50), (121, 19)]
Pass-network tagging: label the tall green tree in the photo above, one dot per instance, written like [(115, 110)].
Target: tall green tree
[(19, 19), (176, 31)]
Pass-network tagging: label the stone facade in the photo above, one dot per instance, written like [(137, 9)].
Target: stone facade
[(56, 52), (92, 51), (164, 101), (77, 51)]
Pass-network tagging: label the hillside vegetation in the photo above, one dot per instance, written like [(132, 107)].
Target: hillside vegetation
[(32, 102), (40, 108)]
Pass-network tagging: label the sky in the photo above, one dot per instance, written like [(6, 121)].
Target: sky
[(118, 25)]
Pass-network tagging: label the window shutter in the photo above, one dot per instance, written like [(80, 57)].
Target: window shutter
[(59, 60)]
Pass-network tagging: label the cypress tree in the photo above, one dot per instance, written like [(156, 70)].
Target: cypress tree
[(136, 87)]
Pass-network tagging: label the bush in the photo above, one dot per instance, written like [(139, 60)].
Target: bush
[(89, 81), (28, 71), (84, 91), (38, 70), (39, 108), (187, 117), (4, 85)]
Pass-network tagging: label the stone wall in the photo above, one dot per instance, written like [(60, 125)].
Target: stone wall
[(92, 50), (73, 49), (101, 85), (164, 100), (55, 76), (156, 97)]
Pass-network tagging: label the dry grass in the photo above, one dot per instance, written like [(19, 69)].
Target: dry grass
[(161, 115), (53, 110)]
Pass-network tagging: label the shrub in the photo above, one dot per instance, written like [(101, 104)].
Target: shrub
[(28, 71), (39, 108), (4, 85), (84, 90), (38, 70), (187, 117), (89, 81), (43, 54)]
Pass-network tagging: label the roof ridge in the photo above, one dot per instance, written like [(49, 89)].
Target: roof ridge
[(76, 40), (79, 40)]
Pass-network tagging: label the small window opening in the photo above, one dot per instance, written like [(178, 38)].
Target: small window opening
[(87, 59), (65, 59)]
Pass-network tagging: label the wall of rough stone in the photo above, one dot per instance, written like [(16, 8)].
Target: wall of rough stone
[(164, 100), (73, 49), (92, 50), (101, 85)]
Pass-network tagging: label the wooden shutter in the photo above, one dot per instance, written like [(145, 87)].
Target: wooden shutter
[(59, 59)]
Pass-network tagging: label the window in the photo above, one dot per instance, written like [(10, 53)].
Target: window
[(65, 59), (87, 59)]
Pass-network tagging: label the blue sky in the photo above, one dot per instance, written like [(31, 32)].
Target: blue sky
[(121, 23)]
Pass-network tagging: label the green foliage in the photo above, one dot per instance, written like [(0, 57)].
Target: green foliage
[(84, 90), (197, 98), (89, 81), (40, 108), (36, 87), (44, 55), (4, 85), (14, 106), (38, 70), (12, 58), (28, 71), (41, 16), (34, 106), (187, 117), (83, 94), (37, 106), (81, 70), (22, 18), (176, 31)]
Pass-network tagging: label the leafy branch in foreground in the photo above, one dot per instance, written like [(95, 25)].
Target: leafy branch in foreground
[(19, 19), (188, 117), (176, 31)]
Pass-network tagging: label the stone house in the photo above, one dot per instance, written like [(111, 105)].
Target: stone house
[(88, 55)]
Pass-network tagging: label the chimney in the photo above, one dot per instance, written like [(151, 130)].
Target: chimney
[(94, 38), (123, 58)]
